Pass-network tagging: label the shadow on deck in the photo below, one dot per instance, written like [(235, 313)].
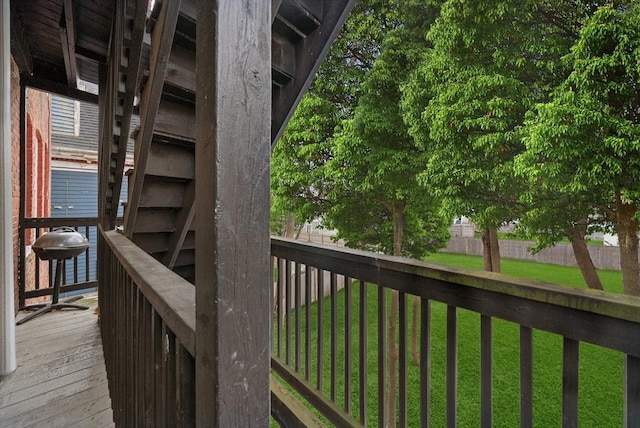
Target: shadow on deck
[(61, 379)]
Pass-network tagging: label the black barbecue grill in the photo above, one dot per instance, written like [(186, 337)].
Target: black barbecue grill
[(60, 244)]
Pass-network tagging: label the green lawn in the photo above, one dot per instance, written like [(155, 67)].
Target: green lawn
[(600, 369)]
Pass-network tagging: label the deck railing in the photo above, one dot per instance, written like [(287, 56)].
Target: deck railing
[(147, 318), (322, 346), (78, 274)]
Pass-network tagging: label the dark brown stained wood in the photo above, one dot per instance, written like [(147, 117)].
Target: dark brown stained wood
[(68, 41), (526, 377), (159, 242), (181, 69), (298, 14), (184, 221), (275, 5), (172, 297), (171, 161), (176, 120), (232, 195), (155, 220), (486, 375), (283, 60), (452, 365), (162, 39), (570, 372), (131, 79), (58, 88), (631, 391), (425, 362), (327, 408), (20, 50), (309, 54), (288, 411), (162, 194)]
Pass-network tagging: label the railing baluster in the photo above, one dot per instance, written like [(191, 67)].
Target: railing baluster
[(334, 336), (159, 420), (362, 352), (425, 362), (307, 320), (172, 389), (185, 383), (139, 355), (526, 377), (347, 344), (149, 391), (287, 311), (452, 364), (87, 263), (278, 305), (382, 354), (570, 369), (631, 391), (320, 337), (402, 358), (298, 303), (486, 375)]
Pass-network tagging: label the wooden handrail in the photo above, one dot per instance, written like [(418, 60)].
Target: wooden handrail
[(171, 296), (306, 271)]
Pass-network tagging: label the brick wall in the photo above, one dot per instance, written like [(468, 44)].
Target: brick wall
[(38, 175)]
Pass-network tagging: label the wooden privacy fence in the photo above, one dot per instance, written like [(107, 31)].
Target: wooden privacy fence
[(321, 349)]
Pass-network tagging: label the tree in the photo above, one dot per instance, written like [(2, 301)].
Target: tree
[(467, 101), (586, 139), (376, 202), (298, 185)]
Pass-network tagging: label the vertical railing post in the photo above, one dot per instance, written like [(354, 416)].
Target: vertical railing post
[(7, 327), (233, 107)]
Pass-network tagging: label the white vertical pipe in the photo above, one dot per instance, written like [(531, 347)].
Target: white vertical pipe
[(7, 321)]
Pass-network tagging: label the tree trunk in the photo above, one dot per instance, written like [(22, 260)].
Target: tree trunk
[(290, 226), (627, 228), (486, 251), (583, 257), (495, 250), (490, 250)]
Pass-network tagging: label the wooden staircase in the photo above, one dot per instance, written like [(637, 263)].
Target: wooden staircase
[(160, 210)]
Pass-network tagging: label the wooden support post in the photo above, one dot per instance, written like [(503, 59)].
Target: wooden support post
[(233, 105), (7, 326)]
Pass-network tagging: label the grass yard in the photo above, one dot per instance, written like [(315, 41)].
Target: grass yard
[(600, 402)]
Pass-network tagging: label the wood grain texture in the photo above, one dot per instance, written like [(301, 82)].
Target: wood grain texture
[(61, 378), (232, 196)]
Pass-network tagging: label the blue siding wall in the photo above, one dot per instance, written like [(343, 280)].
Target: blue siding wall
[(75, 194)]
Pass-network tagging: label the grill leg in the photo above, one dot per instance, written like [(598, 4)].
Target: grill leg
[(56, 295)]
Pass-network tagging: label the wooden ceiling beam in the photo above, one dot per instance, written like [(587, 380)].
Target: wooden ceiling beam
[(19, 46), (57, 88), (68, 39)]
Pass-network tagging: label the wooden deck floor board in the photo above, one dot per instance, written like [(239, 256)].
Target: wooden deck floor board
[(61, 377)]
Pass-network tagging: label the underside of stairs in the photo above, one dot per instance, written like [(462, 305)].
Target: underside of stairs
[(159, 50)]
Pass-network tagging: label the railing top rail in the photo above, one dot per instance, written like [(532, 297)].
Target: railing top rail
[(603, 318), (171, 296), (58, 221)]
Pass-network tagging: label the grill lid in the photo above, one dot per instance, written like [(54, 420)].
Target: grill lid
[(60, 243)]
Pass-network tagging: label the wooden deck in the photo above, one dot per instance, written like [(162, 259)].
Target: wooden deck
[(61, 379)]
